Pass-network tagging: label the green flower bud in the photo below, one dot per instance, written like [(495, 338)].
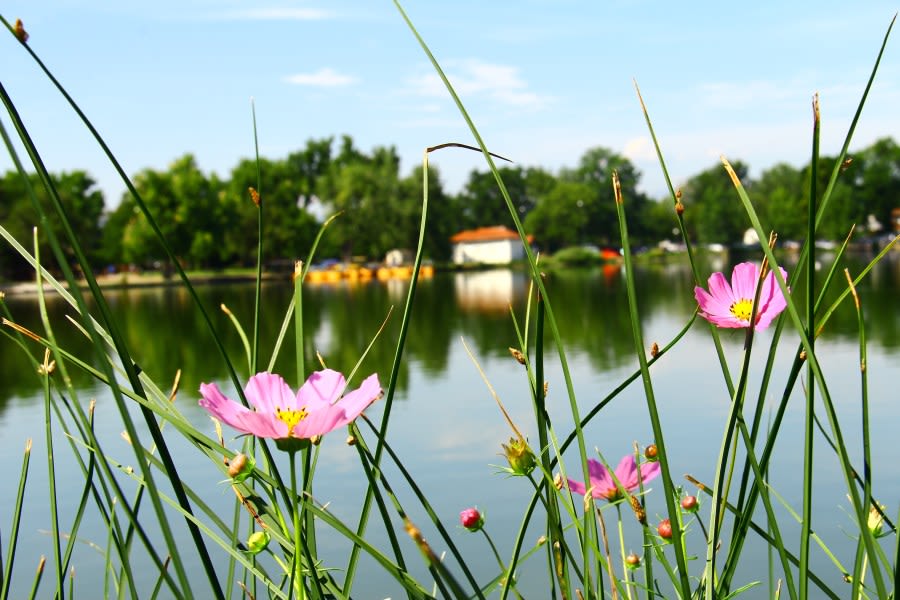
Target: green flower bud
[(519, 456), (257, 542), (875, 522), (240, 467)]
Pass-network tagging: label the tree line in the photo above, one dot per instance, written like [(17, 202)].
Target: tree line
[(211, 222)]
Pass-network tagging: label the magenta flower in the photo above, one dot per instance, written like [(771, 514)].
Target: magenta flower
[(731, 305), (604, 487), (281, 414)]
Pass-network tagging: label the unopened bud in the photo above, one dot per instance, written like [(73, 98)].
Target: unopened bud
[(254, 195), (651, 453), (257, 542), (541, 540), (664, 529), (875, 521), (558, 482), (639, 512), (351, 440), (519, 456), (240, 467), (21, 34), (679, 208), (517, 354), (633, 561), (471, 519), (690, 504), (654, 350)]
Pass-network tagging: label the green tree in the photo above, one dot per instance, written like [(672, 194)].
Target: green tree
[(308, 167), (365, 190), (184, 205), (562, 217), (781, 196), (482, 204), (288, 229), (874, 175), (442, 221), (713, 210), (595, 170), (82, 203)]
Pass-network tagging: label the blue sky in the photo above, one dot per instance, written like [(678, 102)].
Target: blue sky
[(544, 81)]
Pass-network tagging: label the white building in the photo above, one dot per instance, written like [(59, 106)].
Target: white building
[(487, 245)]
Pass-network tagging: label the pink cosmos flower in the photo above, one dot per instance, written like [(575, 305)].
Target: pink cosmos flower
[(731, 305), (602, 484), (279, 413)]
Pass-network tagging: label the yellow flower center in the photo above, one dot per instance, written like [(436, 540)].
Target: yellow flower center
[(290, 417), (742, 309)]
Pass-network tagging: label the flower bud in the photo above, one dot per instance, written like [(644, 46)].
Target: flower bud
[(633, 561), (240, 467), (690, 504), (519, 456), (664, 529), (21, 34), (651, 453), (258, 541), (517, 354), (639, 513), (471, 519), (875, 522)]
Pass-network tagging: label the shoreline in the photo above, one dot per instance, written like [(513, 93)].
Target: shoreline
[(121, 281)]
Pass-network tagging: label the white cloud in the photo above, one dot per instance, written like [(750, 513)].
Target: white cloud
[(278, 14), (750, 94), (639, 148), (475, 78), (324, 77)]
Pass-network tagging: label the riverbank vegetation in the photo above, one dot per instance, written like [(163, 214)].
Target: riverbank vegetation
[(211, 218)]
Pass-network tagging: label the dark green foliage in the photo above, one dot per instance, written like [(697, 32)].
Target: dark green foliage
[(212, 223)]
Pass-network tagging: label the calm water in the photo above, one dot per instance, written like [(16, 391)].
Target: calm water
[(445, 424)]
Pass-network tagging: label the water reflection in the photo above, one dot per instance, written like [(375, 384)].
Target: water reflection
[(488, 291), (166, 333)]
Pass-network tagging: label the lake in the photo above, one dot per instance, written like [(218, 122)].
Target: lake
[(445, 424)]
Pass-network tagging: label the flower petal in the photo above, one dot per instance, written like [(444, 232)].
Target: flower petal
[(324, 416), (627, 472), (576, 487), (600, 478), (268, 392), (358, 400), (237, 416), (744, 278), (771, 301), (720, 289), (650, 471), (321, 388)]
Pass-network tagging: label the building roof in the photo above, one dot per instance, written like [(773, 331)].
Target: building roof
[(485, 234)]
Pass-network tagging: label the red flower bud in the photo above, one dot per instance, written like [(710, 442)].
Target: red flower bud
[(633, 561), (664, 529), (471, 519), (690, 504)]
